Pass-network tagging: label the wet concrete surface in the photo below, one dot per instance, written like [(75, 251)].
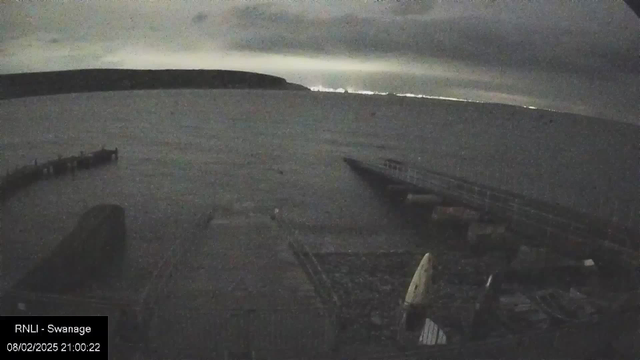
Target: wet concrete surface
[(241, 265)]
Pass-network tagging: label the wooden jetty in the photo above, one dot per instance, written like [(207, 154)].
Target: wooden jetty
[(572, 235), (568, 231), (24, 176)]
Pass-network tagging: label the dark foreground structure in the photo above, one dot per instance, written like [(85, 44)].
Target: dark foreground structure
[(90, 80), (151, 314), (634, 5), (90, 252), (79, 275)]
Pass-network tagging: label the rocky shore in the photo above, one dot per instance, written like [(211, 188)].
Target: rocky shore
[(371, 288)]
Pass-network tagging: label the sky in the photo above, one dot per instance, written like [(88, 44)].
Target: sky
[(575, 56)]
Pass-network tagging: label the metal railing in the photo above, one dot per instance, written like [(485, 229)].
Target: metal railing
[(531, 216), (320, 283)]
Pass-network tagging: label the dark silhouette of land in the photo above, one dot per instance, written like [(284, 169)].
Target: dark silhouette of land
[(89, 80)]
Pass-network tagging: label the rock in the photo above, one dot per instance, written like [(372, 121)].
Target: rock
[(205, 219), (423, 199), (540, 266), (454, 214), (529, 257), (575, 294), (275, 213), (485, 236), (569, 306), (628, 345), (521, 314)]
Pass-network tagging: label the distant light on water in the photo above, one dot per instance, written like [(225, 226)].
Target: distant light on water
[(349, 90), (369, 92), (325, 89), (436, 97), (321, 88)]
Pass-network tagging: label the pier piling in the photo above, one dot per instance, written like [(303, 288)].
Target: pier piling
[(24, 176)]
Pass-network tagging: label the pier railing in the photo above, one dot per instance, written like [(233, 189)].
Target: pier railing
[(321, 285), (542, 221), (312, 268)]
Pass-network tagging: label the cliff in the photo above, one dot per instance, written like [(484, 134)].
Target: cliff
[(89, 80)]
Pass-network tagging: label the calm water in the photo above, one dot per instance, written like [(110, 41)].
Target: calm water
[(186, 152)]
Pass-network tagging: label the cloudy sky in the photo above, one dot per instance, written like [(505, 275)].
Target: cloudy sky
[(577, 56)]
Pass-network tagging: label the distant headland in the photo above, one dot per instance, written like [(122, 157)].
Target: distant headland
[(90, 80)]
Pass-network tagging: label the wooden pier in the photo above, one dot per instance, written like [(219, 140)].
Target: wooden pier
[(27, 175), (563, 229)]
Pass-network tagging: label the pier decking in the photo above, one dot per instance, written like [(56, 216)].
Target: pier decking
[(238, 288), (565, 230)]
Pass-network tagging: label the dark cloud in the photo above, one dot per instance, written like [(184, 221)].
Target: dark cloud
[(261, 15), (500, 43), (199, 18), (253, 12), (412, 7)]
